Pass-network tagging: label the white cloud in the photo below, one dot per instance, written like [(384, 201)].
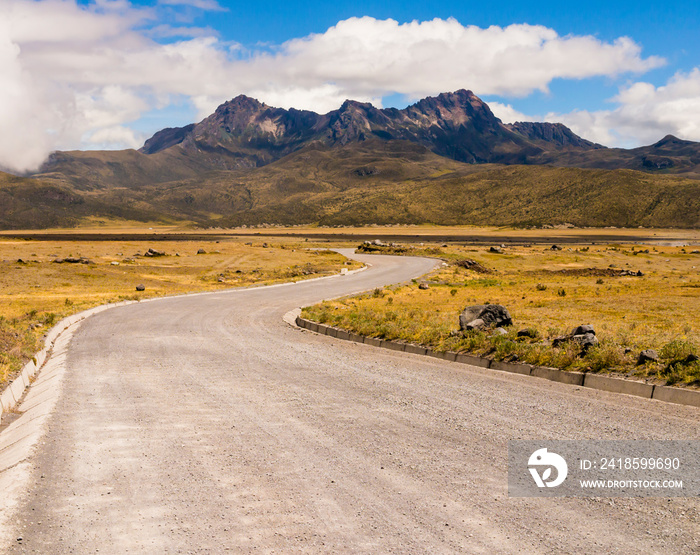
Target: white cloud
[(507, 114), (72, 73), (644, 114), (201, 4)]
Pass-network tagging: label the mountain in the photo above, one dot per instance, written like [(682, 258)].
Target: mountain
[(445, 160), (457, 125)]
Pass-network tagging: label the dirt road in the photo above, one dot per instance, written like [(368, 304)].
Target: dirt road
[(205, 424)]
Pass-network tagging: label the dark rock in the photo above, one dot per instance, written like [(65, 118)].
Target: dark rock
[(527, 333), (586, 340), (691, 358), (423, 286), (648, 355), (473, 265), (201, 251), (497, 250), (580, 330), (492, 315), (140, 287), (559, 341), (153, 252), (555, 248)]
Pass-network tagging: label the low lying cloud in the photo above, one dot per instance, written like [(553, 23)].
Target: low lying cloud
[(79, 76)]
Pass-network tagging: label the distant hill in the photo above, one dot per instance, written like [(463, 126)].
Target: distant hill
[(374, 181)]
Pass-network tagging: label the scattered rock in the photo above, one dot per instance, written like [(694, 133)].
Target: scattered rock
[(115, 263), (265, 245), (141, 287), (153, 252), (500, 331), (648, 355), (202, 251), (474, 266), (586, 340), (527, 332), (423, 286), (555, 248), (497, 250), (691, 358), (221, 279), (483, 316)]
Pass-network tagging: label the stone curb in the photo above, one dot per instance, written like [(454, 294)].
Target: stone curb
[(666, 394)]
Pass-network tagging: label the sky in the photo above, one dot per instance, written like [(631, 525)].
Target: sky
[(107, 74)]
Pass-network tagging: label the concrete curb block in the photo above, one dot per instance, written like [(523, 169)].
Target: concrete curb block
[(675, 395), (666, 394), (615, 385), (513, 367), (556, 375)]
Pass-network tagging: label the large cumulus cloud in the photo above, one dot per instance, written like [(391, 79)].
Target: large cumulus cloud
[(80, 76)]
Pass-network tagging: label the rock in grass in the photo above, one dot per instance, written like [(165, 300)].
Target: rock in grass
[(154, 252), (586, 340), (202, 251), (500, 331), (497, 250), (484, 316), (648, 355), (528, 332), (583, 329), (141, 287), (423, 286)]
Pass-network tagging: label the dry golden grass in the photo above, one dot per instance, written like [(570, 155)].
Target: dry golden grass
[(37, 292), (545, 291)]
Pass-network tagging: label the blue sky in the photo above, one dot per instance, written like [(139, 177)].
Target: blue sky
[(108, 73)]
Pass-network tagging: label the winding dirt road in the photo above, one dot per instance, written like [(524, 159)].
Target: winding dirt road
[(205, 424)]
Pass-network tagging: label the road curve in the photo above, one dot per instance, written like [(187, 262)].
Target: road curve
[(204, 424)]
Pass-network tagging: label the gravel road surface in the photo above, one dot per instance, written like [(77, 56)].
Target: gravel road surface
[(205, 424)]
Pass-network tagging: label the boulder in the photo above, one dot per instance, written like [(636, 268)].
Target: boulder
[(583, 329), (484, 316), (500, 331), (527, 332), (497, 250), (648, 355), (202, 251), (423, 286), (140, 287)]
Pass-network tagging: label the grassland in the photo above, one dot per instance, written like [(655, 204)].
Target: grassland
[(548, 292), (36, 291)]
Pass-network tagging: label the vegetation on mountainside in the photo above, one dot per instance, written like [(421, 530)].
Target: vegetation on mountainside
[(374, 182)]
